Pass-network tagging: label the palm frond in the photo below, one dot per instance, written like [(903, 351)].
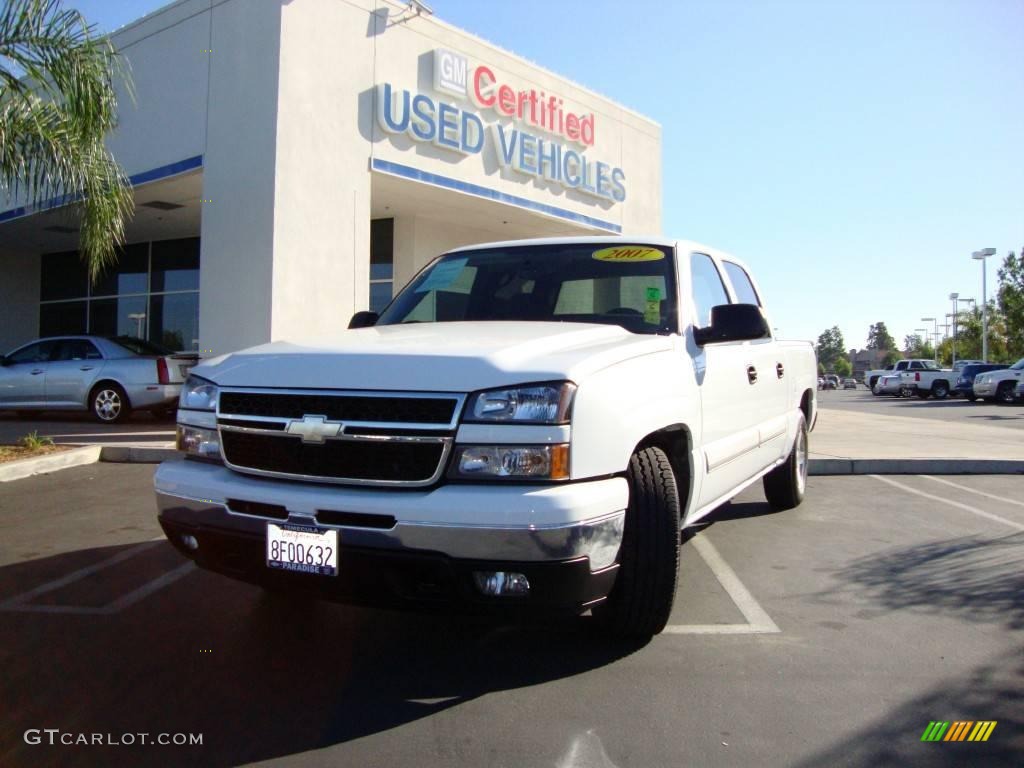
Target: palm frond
[(57, 103)]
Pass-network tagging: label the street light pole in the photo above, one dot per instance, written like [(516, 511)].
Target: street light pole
[(954, 297), (936, 335), (981, 255)]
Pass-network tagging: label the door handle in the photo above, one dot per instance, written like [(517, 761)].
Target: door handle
[(780, 370), (751, 374), (37, 371), (87, 367)]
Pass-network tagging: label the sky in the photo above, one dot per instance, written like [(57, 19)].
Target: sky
[(854, 154)]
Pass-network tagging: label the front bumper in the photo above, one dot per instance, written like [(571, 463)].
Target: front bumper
[(400, 548), (984, 388)]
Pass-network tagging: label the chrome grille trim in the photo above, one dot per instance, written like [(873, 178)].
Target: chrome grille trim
[(446, 441)]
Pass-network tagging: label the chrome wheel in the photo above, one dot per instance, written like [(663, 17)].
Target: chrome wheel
[(109, 404)]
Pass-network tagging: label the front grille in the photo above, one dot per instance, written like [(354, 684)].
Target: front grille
[(338, 460), (341, 407)]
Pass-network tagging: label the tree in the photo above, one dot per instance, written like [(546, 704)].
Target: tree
[(1011, 301), (880, 338), (913, 346), (831, 347), (842, 367), (57, 104), (891, 357)]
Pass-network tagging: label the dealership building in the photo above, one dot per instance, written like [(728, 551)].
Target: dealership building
[(294, 161)]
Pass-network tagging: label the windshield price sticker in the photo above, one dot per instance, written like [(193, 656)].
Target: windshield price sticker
[(629, 253), (302, 549)]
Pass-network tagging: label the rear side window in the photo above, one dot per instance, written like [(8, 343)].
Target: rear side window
[(708, 288), (745, 293), (77, 349)]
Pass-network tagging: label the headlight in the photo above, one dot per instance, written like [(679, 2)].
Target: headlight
[(535, 403), (199, 442), (198, 394), (510, 462)]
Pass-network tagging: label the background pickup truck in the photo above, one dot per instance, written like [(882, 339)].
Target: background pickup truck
[(526, 428), (871, 377), (929, 383)]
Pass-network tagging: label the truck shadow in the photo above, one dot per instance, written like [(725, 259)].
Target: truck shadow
[(259, 677)]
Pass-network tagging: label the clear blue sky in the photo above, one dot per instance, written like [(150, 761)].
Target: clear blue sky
[(853, 153)]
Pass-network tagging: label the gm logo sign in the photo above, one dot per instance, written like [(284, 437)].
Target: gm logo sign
[(450, 72)]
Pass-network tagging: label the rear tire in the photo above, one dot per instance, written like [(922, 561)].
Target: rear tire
[(108, 403), (941, 390), (645, 586), (784, 486)]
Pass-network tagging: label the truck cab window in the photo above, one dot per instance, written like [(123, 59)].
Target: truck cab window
[(708, 288)]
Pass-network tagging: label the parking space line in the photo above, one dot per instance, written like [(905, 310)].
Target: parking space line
[(758, 620), (950, 502), (21, 603), (974, 490), (74, 576)]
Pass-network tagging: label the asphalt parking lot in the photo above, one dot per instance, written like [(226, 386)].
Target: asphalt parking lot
[(64, 427), (832, 634), (952, 409)]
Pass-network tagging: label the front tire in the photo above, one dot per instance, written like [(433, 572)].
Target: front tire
[(1004, 394), (645, 586), (108, 403), (784, 486)]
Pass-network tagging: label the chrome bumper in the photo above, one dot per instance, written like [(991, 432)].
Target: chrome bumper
[(474, 522)]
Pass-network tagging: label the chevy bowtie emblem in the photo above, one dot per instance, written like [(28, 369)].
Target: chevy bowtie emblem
[(314, 429)]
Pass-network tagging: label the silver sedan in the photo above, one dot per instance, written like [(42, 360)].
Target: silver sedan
[(108, 377)]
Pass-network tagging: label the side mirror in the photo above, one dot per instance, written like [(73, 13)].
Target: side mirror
[(363, 319), (733, 322)]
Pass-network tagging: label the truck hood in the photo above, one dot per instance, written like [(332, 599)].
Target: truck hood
[(439, 357)]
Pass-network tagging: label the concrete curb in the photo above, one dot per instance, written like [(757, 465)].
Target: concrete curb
[(121, 454), (76, 457), (915, 467)]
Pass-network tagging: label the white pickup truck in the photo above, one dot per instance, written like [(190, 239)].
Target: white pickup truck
[(526, 428), (871, 377)]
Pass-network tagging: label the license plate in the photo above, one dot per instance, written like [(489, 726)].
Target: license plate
[(302, 549)]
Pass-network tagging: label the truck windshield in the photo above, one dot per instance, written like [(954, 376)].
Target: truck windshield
[(629, 285)]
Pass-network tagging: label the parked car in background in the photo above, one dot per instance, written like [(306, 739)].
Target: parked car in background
[(849, 383), (1000, 386), (109, 377), (891, 384), (831, 381), (959, 365), (933, 382), (965, 381)]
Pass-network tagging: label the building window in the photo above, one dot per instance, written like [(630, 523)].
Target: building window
[(382, 263), (151, 293)]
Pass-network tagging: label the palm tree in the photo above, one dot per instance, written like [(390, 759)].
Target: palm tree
[(57, 104)]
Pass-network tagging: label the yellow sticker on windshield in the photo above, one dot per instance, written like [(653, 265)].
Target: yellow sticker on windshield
[(629, 253)]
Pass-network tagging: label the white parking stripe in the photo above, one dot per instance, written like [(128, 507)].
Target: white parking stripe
[(951, 503), (81, 573), (758, 620), (974, 490)]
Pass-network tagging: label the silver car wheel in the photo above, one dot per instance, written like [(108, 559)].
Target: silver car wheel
[(107, 405)]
